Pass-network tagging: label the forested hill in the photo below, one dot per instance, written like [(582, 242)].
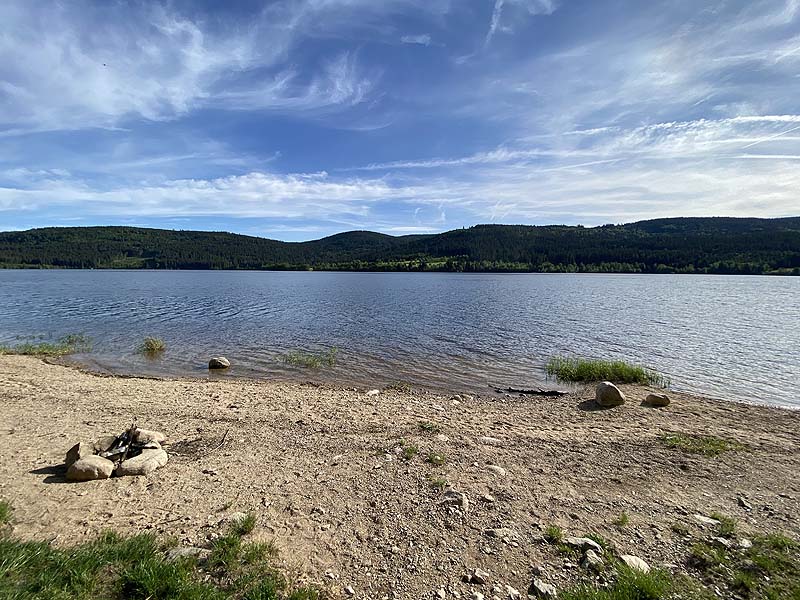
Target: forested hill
[(683, 245)]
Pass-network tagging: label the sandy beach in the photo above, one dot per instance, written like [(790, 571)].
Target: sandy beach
[(332, 478)]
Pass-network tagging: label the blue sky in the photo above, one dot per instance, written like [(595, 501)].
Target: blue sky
[(295, 119)]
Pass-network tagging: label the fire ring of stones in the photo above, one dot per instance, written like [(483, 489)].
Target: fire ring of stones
[(133, 452)]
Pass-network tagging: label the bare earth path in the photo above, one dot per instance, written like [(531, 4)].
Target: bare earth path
[(322, 469)]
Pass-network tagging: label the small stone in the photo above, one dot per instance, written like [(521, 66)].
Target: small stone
[(744, 544), (722, 542), (503, 533), (349, 590), (512, 593), (219, 362), (635, 563), (656, 400), (487, 498), (583, 544), (606, 394), (89, 468), (496, 470), (441, 594), (591, 561), (477, 596), (540, 589), (478, 576), (490, 441), (77, 452), (373, 392), (442, 438), (143, 464), (743, 503), (454, 498)]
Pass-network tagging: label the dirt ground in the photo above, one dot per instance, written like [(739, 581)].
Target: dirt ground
[(323, 470)]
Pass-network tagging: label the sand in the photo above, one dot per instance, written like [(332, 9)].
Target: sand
[(321, 468)]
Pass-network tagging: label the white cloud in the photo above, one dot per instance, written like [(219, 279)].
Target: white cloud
[(422, 39)]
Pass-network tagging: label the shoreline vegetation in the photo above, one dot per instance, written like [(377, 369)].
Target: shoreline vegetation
[(717, 245), (286, 491)]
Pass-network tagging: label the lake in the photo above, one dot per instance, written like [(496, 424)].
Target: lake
[(729, 337)]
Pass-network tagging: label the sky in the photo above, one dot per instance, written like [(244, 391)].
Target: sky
[(297, 119)]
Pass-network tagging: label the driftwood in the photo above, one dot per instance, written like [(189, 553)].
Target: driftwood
[(536, 392)]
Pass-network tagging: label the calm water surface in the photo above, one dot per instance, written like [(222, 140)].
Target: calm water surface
[(728, 337)]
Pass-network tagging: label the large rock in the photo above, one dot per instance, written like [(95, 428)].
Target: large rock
[(145, 463), (146, 436), (540, 589), (607, 394), (77, 452), (219, 362), (104, 443), (89, 468), (634, 562), (657, 400), (583, 544)]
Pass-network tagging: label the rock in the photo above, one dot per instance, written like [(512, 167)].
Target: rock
[(478, 576), (349, 590), (743, 503), (583, 544), (77, 452), (104, 443), (143, 464), (490, 441), (745, 544), (540, 589), (440, 437), (503, 533), (607, 394), (591, 561), (181, 552), (657, 400), (512, 593), (454, 498), (373, 392), (635, 563), (219, 362), (89, 468), (496, 470), (722, 542), (706, 520), (146, 436), (476, 596), (487, 498), (441, 594)]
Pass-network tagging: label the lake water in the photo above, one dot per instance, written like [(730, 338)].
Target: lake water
[(727, 337)]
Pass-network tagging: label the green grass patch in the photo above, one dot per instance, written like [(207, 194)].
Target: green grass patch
[(769, 569), (585, 370), (409, 450), (312, 360), (68, 344), (553, 534), (438, 482), (428, 427), (707, 445), (628, 584), (727, 525), (436, 459), (114, 567), (5, 512), (622, 520), (152, 346)]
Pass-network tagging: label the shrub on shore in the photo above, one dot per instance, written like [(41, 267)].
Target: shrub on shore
[(585, 370), (68, 344), (137, 567), (151, 346)]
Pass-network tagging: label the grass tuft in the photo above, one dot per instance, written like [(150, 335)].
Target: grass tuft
[(409, 450), (629, 584), (438, 483), (312, 360), (590, 370), (68, 344), (622, 520), (727, 525), (5, 512), (553, 534), (244, 525), (152, 346), (436, 459), (707, 445), (428, 427)]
